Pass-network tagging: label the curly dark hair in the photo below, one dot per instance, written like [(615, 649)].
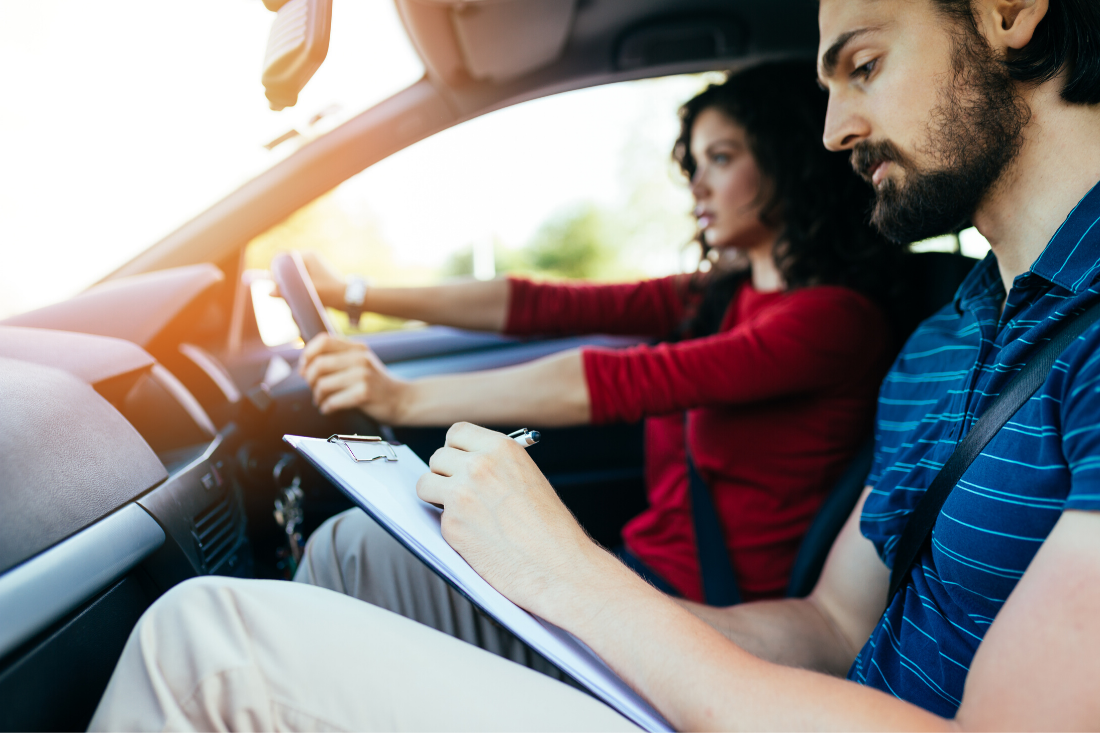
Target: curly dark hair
[(819, 204)]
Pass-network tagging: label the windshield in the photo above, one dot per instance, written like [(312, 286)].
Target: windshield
[(120, 122), (576, 185)]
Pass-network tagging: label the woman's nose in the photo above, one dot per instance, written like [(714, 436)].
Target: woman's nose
[(699, 188)]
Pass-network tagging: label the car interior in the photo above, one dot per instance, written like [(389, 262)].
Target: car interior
[(144, 417)]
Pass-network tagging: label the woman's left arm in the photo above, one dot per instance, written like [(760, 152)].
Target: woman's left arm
[(344, 374), (550, 392)]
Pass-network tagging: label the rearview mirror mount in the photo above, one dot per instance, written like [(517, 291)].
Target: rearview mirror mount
[(296, 47)]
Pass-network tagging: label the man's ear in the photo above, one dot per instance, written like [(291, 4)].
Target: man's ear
[(1009, 24)]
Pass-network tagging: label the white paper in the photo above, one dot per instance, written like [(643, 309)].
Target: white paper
[(387, 491)]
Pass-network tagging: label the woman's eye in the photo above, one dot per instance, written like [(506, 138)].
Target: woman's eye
[(864, 71), (721, 158)]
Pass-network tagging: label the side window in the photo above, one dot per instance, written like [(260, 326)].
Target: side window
[(579, 185)]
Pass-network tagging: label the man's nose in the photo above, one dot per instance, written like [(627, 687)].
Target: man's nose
[(844, 125)]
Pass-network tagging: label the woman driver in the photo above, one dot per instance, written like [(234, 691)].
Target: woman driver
[(775, 358)]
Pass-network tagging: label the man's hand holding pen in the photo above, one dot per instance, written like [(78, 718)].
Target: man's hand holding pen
[(501, 514)]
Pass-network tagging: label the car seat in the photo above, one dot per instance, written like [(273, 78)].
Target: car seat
[(929, 283)]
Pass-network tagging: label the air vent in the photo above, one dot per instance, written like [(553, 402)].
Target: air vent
[(219, 531)]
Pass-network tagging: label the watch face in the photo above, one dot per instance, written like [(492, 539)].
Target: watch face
[(356, 291)]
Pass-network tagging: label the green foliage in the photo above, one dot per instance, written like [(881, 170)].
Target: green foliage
[(582, 241), (575, 244), (461, 263)]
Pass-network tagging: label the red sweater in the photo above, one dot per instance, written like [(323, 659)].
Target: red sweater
[(778, 401)]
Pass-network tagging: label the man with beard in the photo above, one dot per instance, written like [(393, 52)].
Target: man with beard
[(985, 111)]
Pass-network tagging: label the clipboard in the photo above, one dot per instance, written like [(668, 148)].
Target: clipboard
[(386, 490), (365, 448)]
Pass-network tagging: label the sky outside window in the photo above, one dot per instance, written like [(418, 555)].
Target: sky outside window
[(121, 121)]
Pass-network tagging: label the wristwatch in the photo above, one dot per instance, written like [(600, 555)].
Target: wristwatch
[(355, 294)]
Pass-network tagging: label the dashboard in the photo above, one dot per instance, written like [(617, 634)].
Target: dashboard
[(95, 427), (141, 445), (116, 484)]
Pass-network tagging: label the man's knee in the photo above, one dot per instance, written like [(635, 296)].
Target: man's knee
[(215, 622), (196, 625), (211, 653), (178, 608), (192, 611), (342, 535), (346, 550)]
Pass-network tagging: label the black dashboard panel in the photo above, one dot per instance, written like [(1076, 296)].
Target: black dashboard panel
[(67, 458), (164, 412), (113, 488), (57, 683), (150, 411), (201, 508)]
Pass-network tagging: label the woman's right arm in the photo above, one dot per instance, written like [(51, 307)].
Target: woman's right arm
[(475, 305), (522, 307)]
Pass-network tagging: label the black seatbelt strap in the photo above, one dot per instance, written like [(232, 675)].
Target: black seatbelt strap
[(1018, 391), (719, 582)]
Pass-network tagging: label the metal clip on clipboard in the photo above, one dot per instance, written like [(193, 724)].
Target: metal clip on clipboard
[(365, 448)]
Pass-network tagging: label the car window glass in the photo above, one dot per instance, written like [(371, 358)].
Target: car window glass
[(580, 184), (123, 120)]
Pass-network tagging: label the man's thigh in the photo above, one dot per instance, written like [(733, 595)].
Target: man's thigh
[(216, 654), (351, 554)]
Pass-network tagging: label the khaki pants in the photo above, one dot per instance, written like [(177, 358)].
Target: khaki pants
[(226, 654), (353, 555)]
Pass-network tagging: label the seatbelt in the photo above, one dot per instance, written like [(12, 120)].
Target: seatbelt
[(715, 568), (1018, 391)]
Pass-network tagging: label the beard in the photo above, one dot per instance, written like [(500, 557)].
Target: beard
[(975, 132)]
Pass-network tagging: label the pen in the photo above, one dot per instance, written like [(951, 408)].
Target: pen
[(525, 437)]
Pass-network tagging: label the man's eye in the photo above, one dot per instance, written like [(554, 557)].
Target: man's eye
[(864, 71)]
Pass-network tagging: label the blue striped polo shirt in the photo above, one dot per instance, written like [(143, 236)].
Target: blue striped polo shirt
[(1044, 461)]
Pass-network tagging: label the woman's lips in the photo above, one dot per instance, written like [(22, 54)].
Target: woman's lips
[(703, 218)]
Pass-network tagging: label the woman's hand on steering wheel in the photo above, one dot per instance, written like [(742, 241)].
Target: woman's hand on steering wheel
[(344, 374), (328, 282)]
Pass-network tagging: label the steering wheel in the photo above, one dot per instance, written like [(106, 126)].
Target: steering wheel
[(290, 274)]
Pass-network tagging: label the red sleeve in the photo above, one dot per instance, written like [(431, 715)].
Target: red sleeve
[(811, 340), (645, 308)]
